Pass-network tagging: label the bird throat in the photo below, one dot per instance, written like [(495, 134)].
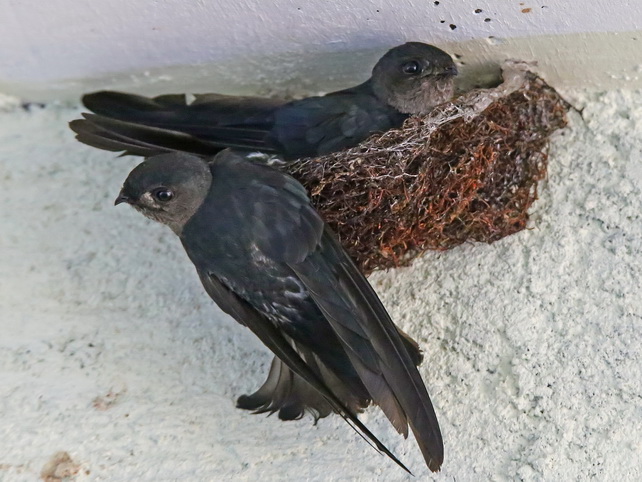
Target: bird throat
[(434, 90)]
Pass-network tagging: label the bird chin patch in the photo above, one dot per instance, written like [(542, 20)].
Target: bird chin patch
[(439, 89), (150, 213), (434, 90)]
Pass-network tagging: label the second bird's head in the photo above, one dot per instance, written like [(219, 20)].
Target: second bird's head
[(414, 77), (168, 188)]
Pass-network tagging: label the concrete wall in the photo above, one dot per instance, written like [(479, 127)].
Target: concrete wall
[(60, 48)]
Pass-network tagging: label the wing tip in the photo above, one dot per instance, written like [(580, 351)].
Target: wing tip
[(433, 454), (435, 465)]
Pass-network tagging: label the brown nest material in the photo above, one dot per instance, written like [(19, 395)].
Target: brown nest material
[(466, 172)]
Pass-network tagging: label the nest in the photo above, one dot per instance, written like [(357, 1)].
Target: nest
[(466, 172)]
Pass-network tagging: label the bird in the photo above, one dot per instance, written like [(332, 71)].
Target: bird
[(409, 79), (266, 257)]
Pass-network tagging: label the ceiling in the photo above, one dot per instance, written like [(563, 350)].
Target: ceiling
[(61, 48)]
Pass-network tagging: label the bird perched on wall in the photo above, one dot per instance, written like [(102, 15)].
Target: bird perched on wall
[(409, 79), (266, 257)]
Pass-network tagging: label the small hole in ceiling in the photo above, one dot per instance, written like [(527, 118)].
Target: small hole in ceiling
[(487, 20), (478, 10), (453, 26)]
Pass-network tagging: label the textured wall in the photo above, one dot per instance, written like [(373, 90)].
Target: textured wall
[(111, 351), (62, 47)]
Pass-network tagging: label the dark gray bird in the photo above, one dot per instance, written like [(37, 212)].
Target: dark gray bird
[(266, 258), (409, 79)]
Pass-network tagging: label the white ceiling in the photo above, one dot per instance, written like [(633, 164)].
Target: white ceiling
[(62, 47)]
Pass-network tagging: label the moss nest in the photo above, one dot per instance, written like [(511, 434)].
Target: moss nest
[(468, 171)]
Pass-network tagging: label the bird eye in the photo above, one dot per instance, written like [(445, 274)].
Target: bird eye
[(411, 68), (163, 194)]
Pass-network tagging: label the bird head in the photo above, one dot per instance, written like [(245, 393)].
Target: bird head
[(168, 188), (414, 77)]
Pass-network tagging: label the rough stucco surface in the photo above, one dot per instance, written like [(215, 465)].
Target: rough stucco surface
[(111, 351)]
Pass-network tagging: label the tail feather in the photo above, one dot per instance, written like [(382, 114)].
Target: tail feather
[(119, 105), (175, 112), (147, 126), (137, 139), (286, 392), (95, 136), (291, 396)]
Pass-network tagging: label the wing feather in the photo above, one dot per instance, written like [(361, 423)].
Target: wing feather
[(350, 305), (385, 360), (277, 343)]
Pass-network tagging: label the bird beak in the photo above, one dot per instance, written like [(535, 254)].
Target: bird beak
[(451, 70), (122, 198)]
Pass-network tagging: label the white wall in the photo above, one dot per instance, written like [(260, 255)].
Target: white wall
[(60, 48), (111, 351)]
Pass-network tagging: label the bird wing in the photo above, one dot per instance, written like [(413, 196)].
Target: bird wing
[(272, 337), (309, 127), (320, 125), (372, 342), (286, 229), (146, 126), (136, 139)]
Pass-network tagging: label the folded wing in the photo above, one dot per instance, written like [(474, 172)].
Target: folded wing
[(240, 310), (287, 229)]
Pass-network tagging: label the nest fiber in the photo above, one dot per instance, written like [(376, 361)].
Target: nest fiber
[(466, 172)]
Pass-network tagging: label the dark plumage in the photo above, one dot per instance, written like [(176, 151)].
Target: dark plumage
[(268, 259), (409, 79)]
